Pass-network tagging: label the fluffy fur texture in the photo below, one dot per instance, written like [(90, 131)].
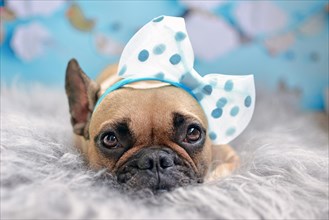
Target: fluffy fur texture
[(283, 173)]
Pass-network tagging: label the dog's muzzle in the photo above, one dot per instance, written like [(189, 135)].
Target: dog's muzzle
[(156, 168)]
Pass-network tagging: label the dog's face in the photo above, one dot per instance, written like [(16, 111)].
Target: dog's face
[(148, 138), (154, 138)]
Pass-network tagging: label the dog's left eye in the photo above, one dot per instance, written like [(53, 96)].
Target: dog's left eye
[(110, 140), (193, 134)]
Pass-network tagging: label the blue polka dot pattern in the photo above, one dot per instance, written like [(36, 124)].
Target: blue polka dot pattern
[(247, 101), (228, 85), (234, 111), (159, 75), (123, 70), (143, 55), (180, 36), (221, 102), (199, 96), (189, 80), (159, 49), (158, 19), (212, 135), (230, 131), (207, 89), (175, 59), (216, 113)]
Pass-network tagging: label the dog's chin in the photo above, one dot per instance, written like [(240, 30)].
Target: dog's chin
[(157, 182), (157, 175)]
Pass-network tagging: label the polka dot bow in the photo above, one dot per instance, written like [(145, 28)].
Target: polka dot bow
[(161, 50)]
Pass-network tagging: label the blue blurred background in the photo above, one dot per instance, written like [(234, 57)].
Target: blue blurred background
[(283, 43)]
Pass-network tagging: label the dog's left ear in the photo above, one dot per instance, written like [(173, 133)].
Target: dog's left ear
[(82, 96)]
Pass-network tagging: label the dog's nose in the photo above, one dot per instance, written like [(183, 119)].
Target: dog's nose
[(155, 158)]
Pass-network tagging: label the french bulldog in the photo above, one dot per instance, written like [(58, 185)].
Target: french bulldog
[(149, 135)]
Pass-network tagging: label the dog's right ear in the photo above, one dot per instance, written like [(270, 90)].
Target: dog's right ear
[(82, 96)]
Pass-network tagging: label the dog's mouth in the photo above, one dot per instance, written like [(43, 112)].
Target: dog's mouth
[(157, 169)]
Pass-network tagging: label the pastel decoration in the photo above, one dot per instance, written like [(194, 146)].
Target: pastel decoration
[(78, 20), (161, 50)]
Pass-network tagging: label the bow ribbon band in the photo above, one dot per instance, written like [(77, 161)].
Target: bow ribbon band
[(161, 50)]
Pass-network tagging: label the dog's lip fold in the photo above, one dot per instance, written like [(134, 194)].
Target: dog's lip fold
[(156, 178), (161, 190), (179, 151)]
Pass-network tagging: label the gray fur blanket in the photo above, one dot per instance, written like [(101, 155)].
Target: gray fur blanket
[(283, 174)]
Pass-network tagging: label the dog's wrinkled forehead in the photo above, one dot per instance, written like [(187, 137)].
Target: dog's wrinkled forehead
[(147, 109)]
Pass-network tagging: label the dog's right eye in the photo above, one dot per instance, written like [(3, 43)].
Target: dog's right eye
[(110, 140)]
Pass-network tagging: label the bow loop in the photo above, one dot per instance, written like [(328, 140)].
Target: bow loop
[(160, 48), (228, 102)]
